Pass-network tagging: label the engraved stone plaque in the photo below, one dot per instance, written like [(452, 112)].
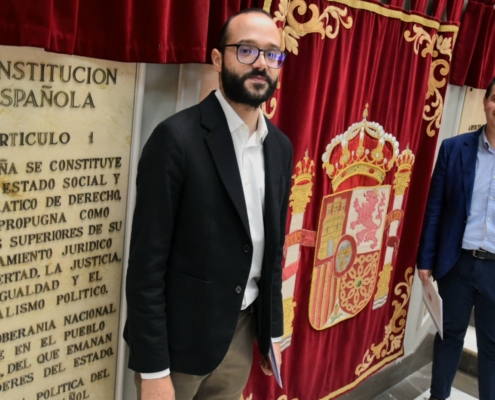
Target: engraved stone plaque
[(473, 115), (65, 140)]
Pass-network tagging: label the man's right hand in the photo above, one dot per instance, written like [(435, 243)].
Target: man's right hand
[(424, 275), (157, 389)]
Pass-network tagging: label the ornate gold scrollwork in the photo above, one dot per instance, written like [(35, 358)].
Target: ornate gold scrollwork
[(436, 105), (273, 106), (293, 30), (434, 45), (395, 330)]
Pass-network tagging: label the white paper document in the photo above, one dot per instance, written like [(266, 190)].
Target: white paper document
[(275, 369), (433, 303)]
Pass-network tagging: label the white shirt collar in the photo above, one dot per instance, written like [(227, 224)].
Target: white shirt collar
[(235, 122)]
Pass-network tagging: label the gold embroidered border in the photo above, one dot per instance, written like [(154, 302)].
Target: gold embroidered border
[(387, 12), (397, 14), (434, 46), (395, 330), (292, 30), (364, 376)]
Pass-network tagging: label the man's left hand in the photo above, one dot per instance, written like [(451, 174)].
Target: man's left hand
[(266, 365), (424, 275)]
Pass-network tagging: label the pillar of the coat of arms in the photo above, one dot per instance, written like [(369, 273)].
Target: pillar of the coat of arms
[(300, 197), (404, 164)]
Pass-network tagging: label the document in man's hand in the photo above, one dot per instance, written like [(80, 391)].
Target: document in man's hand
[(433, 303), (275, 369)]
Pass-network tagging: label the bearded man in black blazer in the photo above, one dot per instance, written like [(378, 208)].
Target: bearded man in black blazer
[(205, 275)]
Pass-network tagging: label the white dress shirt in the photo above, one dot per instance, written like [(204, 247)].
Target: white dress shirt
[(480, 226), (249, 155)]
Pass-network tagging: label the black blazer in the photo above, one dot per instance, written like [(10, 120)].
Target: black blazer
[(191, 248)]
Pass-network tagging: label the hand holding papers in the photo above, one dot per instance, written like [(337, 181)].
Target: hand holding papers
[(269, 364), (275, 368), (433, 303)]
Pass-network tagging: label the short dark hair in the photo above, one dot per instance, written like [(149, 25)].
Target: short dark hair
[(489, 88), (222, 38)]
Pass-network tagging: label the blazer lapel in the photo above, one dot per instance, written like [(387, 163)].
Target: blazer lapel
[(219, 142), (273, 185), (469, 153)]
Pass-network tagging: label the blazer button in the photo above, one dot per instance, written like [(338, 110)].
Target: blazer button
[(246, 248), (238, 289)]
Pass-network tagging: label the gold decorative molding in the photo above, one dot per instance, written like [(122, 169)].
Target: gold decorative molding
[(395, 330), (433, 45), (292, 30)]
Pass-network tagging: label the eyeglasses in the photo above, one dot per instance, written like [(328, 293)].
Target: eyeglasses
[(248, 54)]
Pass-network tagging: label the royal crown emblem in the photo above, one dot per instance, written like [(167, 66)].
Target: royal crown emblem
[(304, 170), (363, 149), (406, 159)]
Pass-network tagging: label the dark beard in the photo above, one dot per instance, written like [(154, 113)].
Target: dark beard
[(235, 89)]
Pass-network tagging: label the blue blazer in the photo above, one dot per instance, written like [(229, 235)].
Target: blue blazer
[(449, 202)]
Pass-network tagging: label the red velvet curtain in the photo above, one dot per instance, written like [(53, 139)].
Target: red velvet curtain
[(474, 58), (361, 98), (154, 31)]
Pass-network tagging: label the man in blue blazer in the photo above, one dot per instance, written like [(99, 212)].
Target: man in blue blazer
[(458, 247)]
